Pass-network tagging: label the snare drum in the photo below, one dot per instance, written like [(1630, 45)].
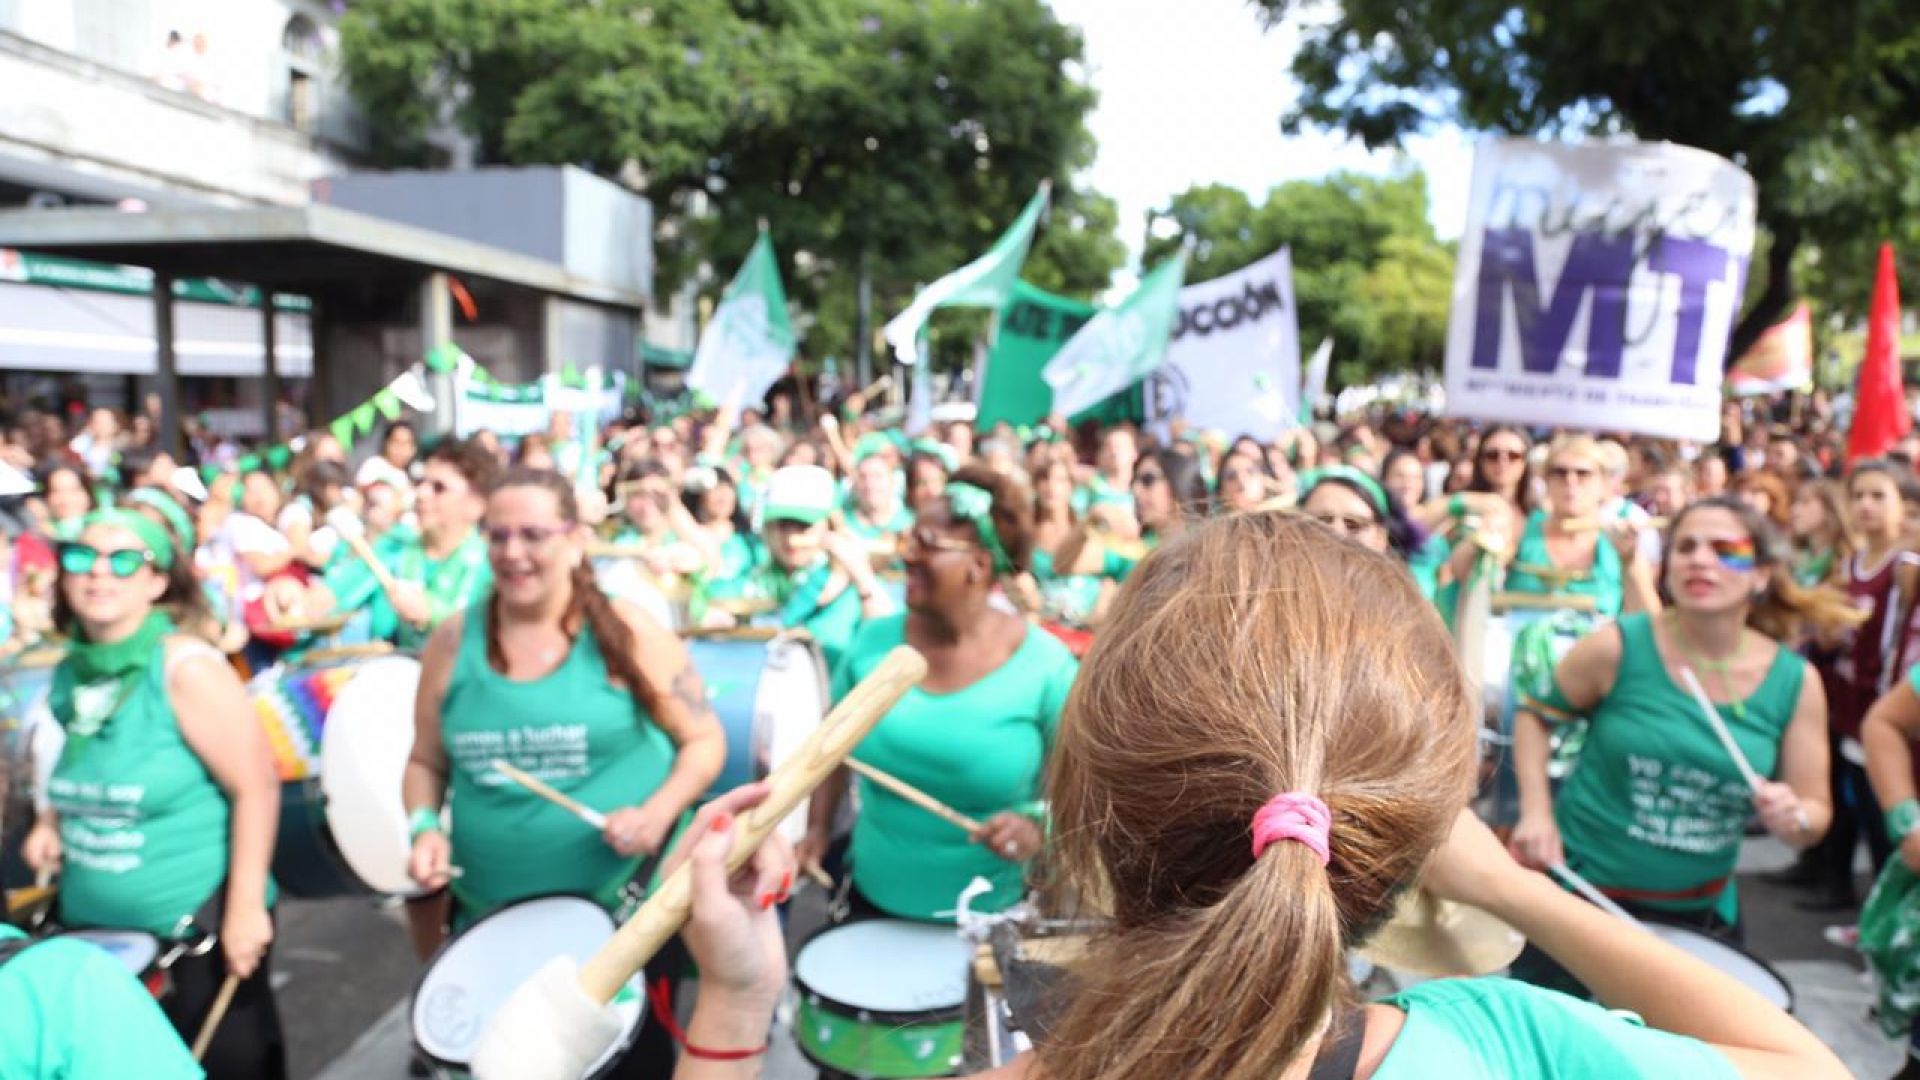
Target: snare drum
[(769, 695), (139, 952), (1730, 959), (343, 830), (472, 975), (883, 998)]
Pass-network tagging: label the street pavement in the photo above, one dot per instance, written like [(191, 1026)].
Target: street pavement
[(345, 970)]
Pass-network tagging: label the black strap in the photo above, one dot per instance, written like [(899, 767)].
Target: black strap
[(1339, 1056), (12, 947)]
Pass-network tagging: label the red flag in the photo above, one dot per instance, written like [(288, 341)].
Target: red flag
[(1880, 415)]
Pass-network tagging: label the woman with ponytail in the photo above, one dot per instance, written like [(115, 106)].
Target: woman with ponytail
[(585, 693), (1656, 808)]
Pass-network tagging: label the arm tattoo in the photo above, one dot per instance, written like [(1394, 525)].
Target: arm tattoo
[(691, 692)]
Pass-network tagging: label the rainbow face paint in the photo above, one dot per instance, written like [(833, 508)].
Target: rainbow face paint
[(1737, 555)]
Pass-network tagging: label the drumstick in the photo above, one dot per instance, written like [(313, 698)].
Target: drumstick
[(817, 874), (1595, 896), (915, 796), (1720, 731), (660, 917), (558, 798), (214, 1016), (354, 533)]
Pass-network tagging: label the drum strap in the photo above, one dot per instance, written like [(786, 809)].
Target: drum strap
[(1339, 1056), (13, 947)]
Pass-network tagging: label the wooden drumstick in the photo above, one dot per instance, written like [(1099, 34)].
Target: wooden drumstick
[(558, 798), (1594, 896), (354, 533), (915, 796), (214, 1016), (732, 633), (607, 970), (1754, 780)]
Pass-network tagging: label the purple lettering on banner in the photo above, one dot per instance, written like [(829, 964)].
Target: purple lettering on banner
[(1597, 264), (1697, 264)]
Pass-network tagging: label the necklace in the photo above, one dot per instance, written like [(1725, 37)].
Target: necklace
[(1721, 668)]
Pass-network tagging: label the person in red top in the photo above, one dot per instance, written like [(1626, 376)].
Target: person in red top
[(1883, 579)]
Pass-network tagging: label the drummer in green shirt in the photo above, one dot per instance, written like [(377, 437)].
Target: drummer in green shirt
[(973, 734), (437, 568), (1657, 805), (815, 577)]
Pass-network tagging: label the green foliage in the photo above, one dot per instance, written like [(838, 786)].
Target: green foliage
[(1367, 268), (1757, 81), (907, 133)]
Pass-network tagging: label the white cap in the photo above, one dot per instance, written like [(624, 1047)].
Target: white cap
[(803, 493)]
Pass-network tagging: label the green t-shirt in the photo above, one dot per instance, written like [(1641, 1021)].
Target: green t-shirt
[(451, 583), (1605, 581), (1074, 596), (1655, 810), (825, 604), (900, 522), (143, 825), (70, 1011), (1099, 492), (574, 730), (980, 750), (1499, 1029), (740, 557), (1426, 563)]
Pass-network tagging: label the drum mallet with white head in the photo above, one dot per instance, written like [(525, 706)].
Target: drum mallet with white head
[(557, 1024)]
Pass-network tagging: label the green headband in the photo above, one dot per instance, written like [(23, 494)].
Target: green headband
[(948, 457), (166, 507), (1368, 487), (975, 506), (148, 530)]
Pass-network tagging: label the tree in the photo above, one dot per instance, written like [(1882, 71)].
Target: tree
[(894, 137), (1756, 81), (1368, 270)]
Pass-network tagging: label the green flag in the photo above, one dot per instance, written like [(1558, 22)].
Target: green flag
[(750, 341), (363, 416), (1030, 329), (388, 403), (985, 282), (1121, 345)]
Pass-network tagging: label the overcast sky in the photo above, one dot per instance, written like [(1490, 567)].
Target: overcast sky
[(1191, 92)]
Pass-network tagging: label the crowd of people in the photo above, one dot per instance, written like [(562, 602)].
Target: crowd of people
[(1272, 665)]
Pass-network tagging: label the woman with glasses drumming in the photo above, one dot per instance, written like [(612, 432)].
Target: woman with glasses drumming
[(164, 801), (974, 734), (1565, 549), (587, 694)]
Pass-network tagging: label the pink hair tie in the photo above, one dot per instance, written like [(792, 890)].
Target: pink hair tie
[(1294, 815)]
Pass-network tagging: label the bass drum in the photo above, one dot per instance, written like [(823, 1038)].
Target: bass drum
[(343, 826), (769, 695)]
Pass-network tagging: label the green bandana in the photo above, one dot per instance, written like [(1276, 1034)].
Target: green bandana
[(947, 456), (89, 687), (151, 535), (974, 506), (166, 507), (1368, 487)]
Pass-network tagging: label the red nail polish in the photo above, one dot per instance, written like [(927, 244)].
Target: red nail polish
[(786, 884), (785, 895), (722, 821), (766, 901)]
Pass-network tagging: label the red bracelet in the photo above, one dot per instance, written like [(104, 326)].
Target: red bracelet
[(660, 1000)]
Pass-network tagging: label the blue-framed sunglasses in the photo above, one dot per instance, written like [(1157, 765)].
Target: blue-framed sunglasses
[(78, 559)]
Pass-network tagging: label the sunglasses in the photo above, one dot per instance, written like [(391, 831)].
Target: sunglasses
[(78, 559), (533, 537), (1497, 455), (1567, 472)]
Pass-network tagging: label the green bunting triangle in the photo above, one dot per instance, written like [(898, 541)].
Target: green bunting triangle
[(343, 431), (444, 358), (363, 417), (388, 403), (248, 463)]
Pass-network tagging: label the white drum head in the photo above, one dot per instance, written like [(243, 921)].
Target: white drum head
[(623, 579), (1729, 960), (477, 971), (1496, 658), (363, 753), (788, 705), (887, 965), (135, 949)]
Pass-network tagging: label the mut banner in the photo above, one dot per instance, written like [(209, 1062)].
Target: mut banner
[(1597, 286)]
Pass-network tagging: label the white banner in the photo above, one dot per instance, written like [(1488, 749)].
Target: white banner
[(1234, 362), (1597, 286)]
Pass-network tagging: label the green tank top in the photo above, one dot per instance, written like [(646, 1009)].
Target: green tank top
[(571, 728), (1074, 596), (143, 824), (1655, 809), (1604, 581)]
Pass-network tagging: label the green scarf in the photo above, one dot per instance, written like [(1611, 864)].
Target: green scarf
[(94, 681)]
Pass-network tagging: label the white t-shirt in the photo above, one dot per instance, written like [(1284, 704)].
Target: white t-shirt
[(248, 535), (377, 469), (299, 513)]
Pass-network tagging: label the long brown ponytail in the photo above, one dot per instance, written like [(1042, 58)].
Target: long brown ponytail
[(1252, 655), (588, 606)]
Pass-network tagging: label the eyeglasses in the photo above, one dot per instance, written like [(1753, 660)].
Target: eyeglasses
[(928, 540), (534, 537), (1494, 455), (1346, 525), (78, 559), (1568, 472)]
